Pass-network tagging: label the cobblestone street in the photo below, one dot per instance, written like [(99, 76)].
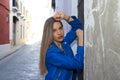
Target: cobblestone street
[(22, 64)]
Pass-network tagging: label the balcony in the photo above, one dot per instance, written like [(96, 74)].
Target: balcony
[(15, 6), (22, 16), (18, 13), (14, 9)]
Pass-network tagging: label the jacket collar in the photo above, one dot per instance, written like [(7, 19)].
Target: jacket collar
[(55, 47)]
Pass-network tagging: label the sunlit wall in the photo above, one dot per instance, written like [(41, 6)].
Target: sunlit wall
[(40, 11)]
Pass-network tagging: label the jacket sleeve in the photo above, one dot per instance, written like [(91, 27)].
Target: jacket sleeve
[(71, 35), (64, 61)]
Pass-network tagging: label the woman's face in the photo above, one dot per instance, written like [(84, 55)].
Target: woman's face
[(58, 33)]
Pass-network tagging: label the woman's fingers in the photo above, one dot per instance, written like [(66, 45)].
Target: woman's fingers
[(56, 16), (61, 14)]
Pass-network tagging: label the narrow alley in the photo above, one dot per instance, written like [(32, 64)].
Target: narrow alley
[(21, 29), (22, 64)]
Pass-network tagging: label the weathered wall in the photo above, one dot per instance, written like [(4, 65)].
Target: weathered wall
[(102, 39)]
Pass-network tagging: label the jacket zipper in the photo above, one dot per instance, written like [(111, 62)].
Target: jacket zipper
[(58, 75)]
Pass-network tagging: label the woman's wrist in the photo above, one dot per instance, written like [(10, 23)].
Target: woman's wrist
[(67, 18), (80, 41)]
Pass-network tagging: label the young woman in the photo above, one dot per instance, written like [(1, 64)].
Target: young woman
[(56, 56)]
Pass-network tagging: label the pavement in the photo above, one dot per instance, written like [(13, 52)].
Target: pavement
[(8, 52), (22, 64)]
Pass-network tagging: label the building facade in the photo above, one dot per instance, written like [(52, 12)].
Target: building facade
[(4, 22), (14, 24), (18, 22)]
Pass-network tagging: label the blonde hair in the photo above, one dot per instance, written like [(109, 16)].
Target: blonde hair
[(46, 41)]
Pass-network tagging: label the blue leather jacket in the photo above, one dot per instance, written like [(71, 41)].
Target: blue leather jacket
[(61, 64)]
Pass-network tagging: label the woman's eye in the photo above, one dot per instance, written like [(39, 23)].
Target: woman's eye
[(54, 30), (61, 27)]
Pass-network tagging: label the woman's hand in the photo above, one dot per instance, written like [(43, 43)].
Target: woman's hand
[(61, 16), (79, 34)]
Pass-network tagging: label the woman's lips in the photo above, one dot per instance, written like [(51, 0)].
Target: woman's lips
[(60, 37)]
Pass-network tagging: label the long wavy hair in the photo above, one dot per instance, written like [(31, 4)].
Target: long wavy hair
[(47, 39)]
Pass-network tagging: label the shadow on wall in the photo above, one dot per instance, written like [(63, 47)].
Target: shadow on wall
[(81, 18)]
